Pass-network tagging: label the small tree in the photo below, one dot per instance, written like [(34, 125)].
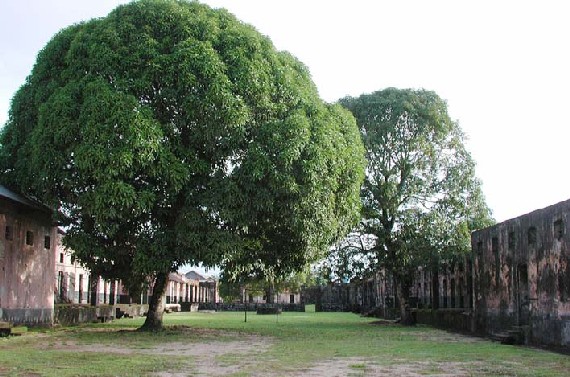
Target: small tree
[(420, 196), (169, 133)]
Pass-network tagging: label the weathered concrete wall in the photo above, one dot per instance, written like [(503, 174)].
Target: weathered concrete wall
[(453, 319), (27, 240), (522, 275)]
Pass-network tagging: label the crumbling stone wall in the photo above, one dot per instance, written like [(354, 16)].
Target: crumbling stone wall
[(522, 276)]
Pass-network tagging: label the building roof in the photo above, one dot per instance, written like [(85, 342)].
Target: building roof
[(20, 199), (173, 276), (195, 276)]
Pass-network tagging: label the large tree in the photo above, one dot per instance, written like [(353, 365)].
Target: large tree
[(169, 133), (420, 197)]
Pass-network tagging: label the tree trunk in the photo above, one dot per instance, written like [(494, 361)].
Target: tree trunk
[(270, 299), (153, 320), (403, 294), (94, 290)]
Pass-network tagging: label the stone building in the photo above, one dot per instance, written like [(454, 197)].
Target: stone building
[(282, 297), (203, 289), (514, 284), (522, 276), (27, 267), (74, 284)]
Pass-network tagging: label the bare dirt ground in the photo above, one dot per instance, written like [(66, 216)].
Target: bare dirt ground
[(363, 367), (210, 355)]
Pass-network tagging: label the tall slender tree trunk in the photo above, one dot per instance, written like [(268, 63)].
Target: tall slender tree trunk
[(153, 320)]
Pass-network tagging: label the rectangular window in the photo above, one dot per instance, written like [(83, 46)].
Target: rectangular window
[(558, 229), (495, 245), (532, 236), (480, 247), (47, 242), (8, 233), (30, 238), (511, 241), (60, 257)]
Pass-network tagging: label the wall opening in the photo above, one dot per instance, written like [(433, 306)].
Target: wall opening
[(512, 241), (558, 229), (9, 233), (30, 238), (532, 236), (444, 293), (523, 295), (495, 249)]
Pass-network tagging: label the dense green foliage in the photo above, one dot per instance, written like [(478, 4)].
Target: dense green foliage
[(420, 198), (169, 133)]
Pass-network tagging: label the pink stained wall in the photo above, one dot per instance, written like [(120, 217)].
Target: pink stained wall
[(27, 271)]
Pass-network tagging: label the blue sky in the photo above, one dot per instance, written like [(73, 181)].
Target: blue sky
[(502, 66)]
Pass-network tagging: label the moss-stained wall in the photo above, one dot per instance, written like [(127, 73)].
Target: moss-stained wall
[(522, 275)]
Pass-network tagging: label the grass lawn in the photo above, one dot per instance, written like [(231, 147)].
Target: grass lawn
[(291, 344)]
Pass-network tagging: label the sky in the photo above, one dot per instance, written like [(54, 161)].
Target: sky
[(502, 66)]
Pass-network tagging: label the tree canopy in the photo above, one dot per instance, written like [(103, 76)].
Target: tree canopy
[(169, 133), (421, 197)]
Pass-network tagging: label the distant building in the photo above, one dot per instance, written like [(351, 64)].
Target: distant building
[(283, 297), (74, 283), (28, 239), (204, 290), (513, 286)]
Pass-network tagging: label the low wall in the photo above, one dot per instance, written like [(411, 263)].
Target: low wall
[(130, 310), (335, 307), (28, 317), (75, 314), (238, 307), (67, 315), (545, 330), (189, 307), (452, 319)]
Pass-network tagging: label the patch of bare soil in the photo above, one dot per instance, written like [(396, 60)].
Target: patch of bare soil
[(342, 367), (215, 353), (384, 322)]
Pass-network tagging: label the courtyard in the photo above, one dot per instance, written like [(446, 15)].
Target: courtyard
[(291, 344)]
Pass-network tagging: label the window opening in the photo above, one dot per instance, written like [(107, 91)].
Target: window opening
[(8, 233), (30, 238), (532, 236), (558, 229)]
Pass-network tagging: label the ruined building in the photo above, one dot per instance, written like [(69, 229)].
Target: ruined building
[(515, 281), (27, 270), (522, 276)]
